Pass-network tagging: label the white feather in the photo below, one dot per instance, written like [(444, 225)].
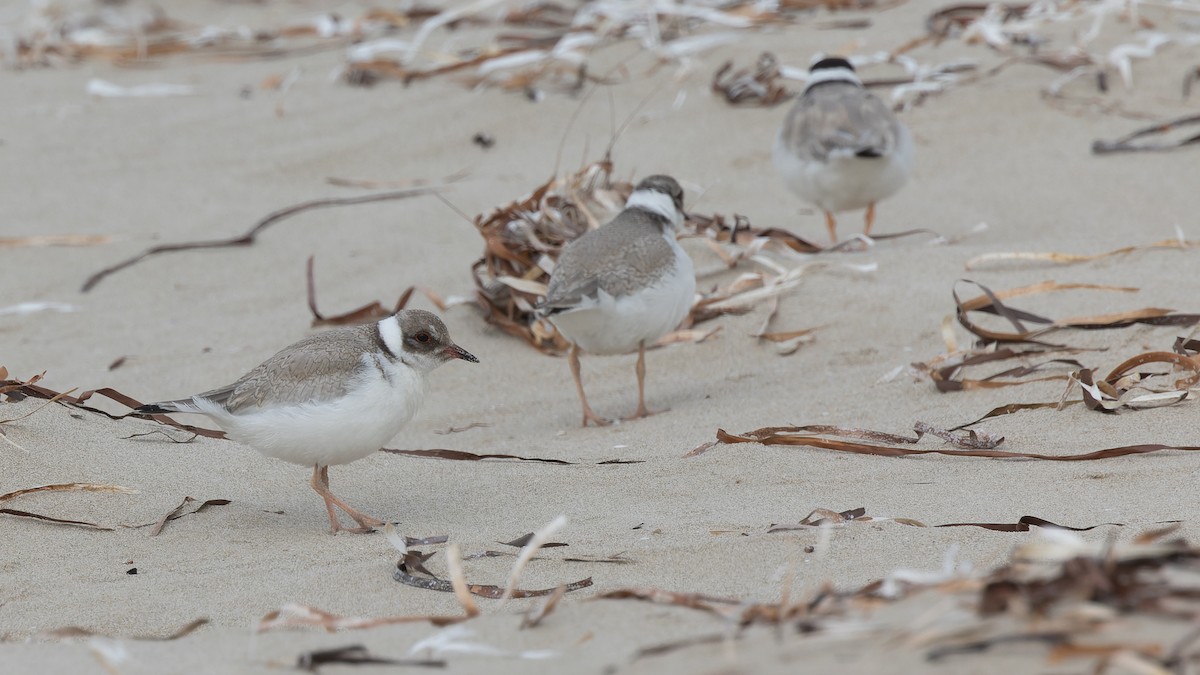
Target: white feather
[(830, 75), (656, 202), (392, 336)]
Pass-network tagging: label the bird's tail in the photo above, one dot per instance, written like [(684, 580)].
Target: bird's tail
[(185, 405)]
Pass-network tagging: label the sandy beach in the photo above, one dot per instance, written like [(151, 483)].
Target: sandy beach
[(992, 149)]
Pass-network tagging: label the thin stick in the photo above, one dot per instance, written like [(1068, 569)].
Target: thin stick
[(562, 142), (248, 238)]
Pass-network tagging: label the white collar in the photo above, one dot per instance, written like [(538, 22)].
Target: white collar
[(831, 75)]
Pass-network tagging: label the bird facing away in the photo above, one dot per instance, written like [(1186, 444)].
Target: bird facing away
[(840, 148), (625, 284), (331, 398)]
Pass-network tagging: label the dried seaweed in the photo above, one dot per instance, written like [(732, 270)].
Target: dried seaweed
[(50, 519), (18, 390), (758, 86), (70, 632), (535, 616), (68, 487), (674, 645), (483, 590), (826, 517), (1057, 258), (249, 237), (370, 312), (523, 238), (558, 56), (991, 303), (297, 616), (1124, 386), (1011, 408), (970, 440), (1127, 143), (39, 240), (465, 427), (817, 437), (160, 432), (462, 455), (62, 487), (614, 559), (179, 512), (54, 399), (357, 655), (528, 550), (1057, 589), (522, 241), (1043, 574), (740, 612), (47, 35), (523, 540), (1024, 523)]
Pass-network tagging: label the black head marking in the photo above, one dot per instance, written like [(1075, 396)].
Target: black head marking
[(830, 63)]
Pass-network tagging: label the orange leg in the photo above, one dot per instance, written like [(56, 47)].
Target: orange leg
[(831, 224), (320, 483), (642, 410), (870, 219), (588, 415)]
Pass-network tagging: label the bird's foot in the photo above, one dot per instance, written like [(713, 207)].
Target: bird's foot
[(366, 524), (643, 411), (589, 416), (352, 530)]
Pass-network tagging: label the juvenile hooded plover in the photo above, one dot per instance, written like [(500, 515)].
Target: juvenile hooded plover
[(624, 285), (840, 148), (331, 398)]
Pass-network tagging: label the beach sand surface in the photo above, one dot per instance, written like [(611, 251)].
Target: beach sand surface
[(160, 170)]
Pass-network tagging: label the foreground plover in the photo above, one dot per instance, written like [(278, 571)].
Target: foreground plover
[(331, 398), (840, 148), (624, 285)]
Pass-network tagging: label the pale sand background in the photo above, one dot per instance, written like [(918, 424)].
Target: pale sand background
[(210, 165)]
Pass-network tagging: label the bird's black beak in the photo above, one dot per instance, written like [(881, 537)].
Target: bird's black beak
[(456, 352)]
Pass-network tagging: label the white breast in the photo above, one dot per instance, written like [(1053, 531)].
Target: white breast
[(331, 432), (611, 325)]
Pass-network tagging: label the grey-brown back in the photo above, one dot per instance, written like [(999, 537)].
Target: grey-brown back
[(839, 116), (317, 368), (623, 256)]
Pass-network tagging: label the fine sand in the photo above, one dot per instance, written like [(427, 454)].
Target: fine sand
[(160, 170)]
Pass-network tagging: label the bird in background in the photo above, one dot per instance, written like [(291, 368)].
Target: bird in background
[(840, 148)]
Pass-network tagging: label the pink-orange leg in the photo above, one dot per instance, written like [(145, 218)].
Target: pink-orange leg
[(320, 483), (831, 225), (870, 219), (588, 415), (642, 410)]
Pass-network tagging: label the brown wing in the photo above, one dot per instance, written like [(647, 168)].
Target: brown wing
[(840, 119), (626, 254), (313, 369)]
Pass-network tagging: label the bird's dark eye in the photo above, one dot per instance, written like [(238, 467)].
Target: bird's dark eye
[(422, 337)]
